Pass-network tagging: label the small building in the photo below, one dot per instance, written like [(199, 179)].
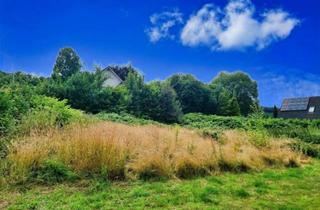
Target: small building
[(115, 75), (300, 108)]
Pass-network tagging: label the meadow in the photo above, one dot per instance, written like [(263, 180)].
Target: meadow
[(118, 161)]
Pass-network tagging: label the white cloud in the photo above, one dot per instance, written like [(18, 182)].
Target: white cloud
[(202, 28), (236, 27), (162, 23)]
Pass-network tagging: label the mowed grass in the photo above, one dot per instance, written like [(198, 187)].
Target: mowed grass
[(294, 188)]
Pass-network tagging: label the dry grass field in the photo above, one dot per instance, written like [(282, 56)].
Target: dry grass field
[(117, 151)]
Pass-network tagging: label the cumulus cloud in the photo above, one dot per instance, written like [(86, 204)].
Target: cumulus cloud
[(234, 27), (162, 23), (202, 28)]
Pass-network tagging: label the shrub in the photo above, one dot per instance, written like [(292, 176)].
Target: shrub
[(48, 113), (258, 138)]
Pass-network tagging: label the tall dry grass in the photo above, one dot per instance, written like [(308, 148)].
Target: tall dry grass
[(118, 151)]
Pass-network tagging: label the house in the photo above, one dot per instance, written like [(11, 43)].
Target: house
[(301, 108), (115, 75)]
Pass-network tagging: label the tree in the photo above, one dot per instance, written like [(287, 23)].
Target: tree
[(20, 79), (227, 104), (84, 90), (67, 64), (134, 84), (275, 111), (234, 108), (242, 86), (81, 90), (161, 103), (193, 95), (257, 111), (170, 109)]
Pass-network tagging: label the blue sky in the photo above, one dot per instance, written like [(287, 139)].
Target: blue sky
[(275, 41)]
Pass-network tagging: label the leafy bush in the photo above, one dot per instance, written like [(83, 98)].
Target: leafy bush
[(305, 130), (22, 112), (48, 113)]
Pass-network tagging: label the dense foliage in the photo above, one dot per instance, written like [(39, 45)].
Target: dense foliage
[(305, 131), (165, 101), (193, 95), (24, 112), (240, 86)]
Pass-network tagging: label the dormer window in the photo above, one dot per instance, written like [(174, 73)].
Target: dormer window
[(311, 109)]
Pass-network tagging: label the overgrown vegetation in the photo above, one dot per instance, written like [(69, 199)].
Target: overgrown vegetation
[(29, 103), (116, 151), (305, 132)]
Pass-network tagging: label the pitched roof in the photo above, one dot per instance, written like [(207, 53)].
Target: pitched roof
[(121, 71), (115, 74), (297, 104)]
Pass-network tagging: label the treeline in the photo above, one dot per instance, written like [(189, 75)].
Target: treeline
[(229, 94)]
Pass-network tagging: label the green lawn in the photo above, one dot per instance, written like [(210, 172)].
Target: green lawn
[(297, 188)]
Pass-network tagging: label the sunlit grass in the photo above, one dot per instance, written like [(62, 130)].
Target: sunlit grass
[(117, 151)]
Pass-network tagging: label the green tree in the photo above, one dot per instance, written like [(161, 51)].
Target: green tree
[(170, 109), (67, 64), (227, 104), (162, 104), (275, 111), (134, 84), (244, 88), (193, 95)]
